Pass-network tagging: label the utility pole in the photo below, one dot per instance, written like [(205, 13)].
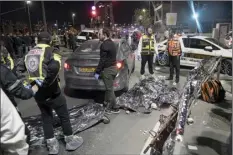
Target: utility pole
[(171, 7), (29, 19), (44, 17)]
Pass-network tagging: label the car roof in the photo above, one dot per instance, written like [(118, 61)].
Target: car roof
[(198, 37)]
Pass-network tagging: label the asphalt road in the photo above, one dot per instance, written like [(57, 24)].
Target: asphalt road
[(126, 133)]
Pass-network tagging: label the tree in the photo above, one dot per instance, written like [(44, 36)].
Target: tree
[(142, 17)]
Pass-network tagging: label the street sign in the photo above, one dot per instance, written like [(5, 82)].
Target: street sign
[(171, 18)]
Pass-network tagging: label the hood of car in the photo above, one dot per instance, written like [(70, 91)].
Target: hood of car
[(81, 37)]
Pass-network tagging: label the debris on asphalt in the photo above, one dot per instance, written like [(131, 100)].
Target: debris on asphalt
[(143, 96), (127, 112), (190, 147), (81, 118)]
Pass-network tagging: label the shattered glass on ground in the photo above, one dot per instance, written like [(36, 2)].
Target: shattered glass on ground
[(81, 118), (149, 90)]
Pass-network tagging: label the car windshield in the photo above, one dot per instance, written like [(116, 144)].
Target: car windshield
[(84, 34), (215, 41), (89, 46)]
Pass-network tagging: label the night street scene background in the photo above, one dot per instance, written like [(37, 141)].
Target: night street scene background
[(152, 108)]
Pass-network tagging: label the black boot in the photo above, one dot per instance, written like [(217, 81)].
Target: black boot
[(169, 78), (177, 80)]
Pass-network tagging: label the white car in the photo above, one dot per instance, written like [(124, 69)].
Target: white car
[(82, 36), (196, 48)]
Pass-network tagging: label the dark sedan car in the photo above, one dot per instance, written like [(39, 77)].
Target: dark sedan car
[(80, 67)]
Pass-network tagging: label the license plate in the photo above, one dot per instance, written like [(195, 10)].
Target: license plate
[(87, 70)]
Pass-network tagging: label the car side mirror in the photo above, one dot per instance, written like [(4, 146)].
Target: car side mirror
[(208, 48)]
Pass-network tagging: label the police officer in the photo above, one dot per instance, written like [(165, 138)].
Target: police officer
[(146, 50), (43, 66), (108, 70), (174, 50)]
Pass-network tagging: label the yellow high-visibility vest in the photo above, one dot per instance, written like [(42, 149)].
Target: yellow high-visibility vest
[(148, 44)]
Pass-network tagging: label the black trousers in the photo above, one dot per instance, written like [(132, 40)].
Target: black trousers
[(60, 107), (108, 76), (174, 64), (145, 59)]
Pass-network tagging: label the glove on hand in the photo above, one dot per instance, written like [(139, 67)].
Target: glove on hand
[(139, 57), (39, 82), (28, 86), (97, 76)]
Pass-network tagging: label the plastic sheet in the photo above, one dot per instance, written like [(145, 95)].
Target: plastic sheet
[(149, 90), (189, 94), (81, 118)]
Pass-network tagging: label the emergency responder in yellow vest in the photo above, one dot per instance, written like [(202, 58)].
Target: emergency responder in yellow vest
[(6, 58), (43, 67), (146, 50), (174, 50), (56, 40)]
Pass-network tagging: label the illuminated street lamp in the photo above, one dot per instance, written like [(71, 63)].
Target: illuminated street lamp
[(29, 16), (144, 10), (195, 16), (73, 15)]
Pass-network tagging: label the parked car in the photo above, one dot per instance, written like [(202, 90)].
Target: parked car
[(85, 35), (196, 48), (80, 67)]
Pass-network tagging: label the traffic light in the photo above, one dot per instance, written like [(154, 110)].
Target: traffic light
[(93, 12)]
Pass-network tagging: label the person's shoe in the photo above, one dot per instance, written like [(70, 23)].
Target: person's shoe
[(53, 145), (142, 77), (169, 78), (177, 80), (108, 111), (73, 142), (115, 111)]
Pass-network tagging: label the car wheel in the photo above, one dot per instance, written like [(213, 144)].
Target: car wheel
[(163, 59), (126, 88), (226, 67), (133, 67)]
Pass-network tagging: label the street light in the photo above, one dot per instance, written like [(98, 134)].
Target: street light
[(73, 15), (29, 16), (144, 10), (195, 16)]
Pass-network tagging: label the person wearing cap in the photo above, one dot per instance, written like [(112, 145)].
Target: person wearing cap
[(146, 50), (174, 50), (43, 66)]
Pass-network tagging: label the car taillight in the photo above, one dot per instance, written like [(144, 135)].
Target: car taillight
[(119, 65), (66, 66)]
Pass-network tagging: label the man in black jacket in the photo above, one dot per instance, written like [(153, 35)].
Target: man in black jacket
[(49, 96), (107, 69)]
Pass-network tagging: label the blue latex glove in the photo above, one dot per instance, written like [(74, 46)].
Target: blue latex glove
[(97, 76), (39, 82), (28, 86)]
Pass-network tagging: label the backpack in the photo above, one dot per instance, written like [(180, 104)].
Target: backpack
[(212, 91)]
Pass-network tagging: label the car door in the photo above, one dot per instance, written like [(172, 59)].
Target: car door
[(197, 51), (126, 52)]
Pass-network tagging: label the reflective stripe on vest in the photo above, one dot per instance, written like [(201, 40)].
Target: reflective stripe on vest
[(34, 62), (11, 61), (174, 47), (57, 57), (148, 44)]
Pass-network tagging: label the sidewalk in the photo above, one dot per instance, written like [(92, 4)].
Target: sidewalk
[(209, 133)]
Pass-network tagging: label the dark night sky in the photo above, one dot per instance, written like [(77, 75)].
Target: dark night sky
[(123, 11)]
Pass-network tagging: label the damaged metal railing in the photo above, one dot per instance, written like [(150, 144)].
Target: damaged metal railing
[(172, 126)]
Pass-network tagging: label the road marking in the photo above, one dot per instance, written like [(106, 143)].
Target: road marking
[(150, 138)]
